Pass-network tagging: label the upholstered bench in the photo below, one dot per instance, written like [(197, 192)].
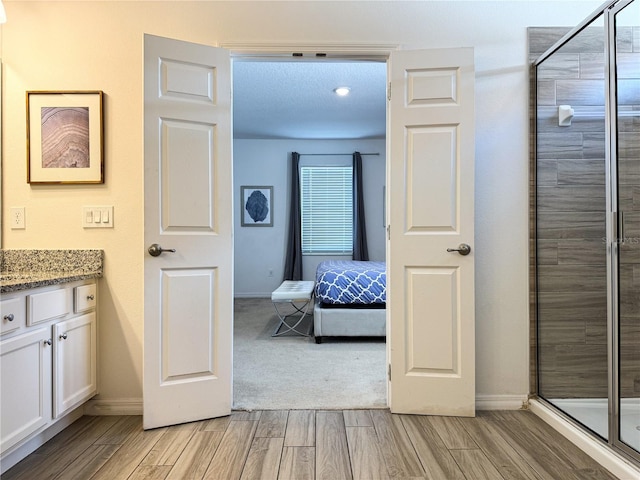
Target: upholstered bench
[(297, 294)]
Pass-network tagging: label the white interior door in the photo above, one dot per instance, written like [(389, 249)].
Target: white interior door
[(431, 200), (188, 299)]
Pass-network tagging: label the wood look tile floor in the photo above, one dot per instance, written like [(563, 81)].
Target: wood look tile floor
[(310, 444)]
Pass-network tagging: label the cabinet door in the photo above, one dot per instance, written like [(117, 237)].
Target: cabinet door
[(74, 362), (25, 381)]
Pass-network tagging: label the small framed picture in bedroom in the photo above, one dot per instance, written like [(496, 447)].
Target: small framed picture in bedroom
[(257, 206)]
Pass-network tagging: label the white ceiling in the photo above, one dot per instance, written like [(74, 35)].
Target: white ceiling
[(295, 99)]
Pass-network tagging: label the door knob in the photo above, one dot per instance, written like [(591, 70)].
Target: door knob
[(155, 250), (463, 249)]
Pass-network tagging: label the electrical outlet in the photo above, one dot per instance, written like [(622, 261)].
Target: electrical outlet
[(17, 218)]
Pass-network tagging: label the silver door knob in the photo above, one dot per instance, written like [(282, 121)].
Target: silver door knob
[(155, 250), (463, 249)]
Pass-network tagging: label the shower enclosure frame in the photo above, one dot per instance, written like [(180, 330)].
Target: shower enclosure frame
[(608, 10)]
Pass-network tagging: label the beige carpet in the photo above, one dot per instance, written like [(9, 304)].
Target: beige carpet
[(296, 373)]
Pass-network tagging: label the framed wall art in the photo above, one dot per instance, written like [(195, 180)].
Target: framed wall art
[(257, 206), (64, 137)]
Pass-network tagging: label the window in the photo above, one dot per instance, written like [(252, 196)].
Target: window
[(326, 205)]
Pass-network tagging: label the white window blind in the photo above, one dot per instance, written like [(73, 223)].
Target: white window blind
[(326, 209)]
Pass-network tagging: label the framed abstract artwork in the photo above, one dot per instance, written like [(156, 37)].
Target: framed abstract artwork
[(64, 137), (257, 206)]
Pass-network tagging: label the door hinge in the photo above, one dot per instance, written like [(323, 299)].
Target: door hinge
[(389, 92), (389, 372), (389, 232)]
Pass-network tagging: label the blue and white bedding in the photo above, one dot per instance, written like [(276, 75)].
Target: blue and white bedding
[(342, 282)]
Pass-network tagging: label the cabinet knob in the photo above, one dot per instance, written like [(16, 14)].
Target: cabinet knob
[(90, 297), (63, 336), (47, 341), (9, 317)]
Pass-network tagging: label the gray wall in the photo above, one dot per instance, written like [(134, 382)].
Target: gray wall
[(260, 251)]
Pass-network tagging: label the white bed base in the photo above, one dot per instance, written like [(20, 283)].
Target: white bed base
[(348, 322)]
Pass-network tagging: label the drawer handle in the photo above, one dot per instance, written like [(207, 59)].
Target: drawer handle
[(90, 297), (63, 336), (9, 317), (47, 341)]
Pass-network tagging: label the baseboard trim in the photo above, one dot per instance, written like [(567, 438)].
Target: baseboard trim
[(252, 295), (114, 406), (500, 402), (609, 459)]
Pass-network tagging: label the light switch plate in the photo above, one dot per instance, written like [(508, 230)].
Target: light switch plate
[(100, 216)]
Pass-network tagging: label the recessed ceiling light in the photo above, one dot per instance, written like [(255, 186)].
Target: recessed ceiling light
[(342, 91)]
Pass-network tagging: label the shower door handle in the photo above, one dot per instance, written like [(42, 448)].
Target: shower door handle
[(463, 249)]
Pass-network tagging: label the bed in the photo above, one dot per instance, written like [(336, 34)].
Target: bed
[(350, 299)]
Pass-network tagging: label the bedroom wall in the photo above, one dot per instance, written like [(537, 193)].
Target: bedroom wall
[(259, 254), (62, 45)]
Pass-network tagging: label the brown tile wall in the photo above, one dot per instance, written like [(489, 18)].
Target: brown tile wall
[(568, 209), (628, 72)]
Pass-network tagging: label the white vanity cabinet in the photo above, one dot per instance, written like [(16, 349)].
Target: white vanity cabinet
[(48, 361), (25, 401), (74, 363)]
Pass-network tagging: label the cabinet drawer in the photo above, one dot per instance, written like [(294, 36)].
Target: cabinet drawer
[(84, 298), (47, 305), (12, 314)]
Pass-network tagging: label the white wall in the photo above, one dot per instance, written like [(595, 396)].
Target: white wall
[(89, 45), (261, 250)]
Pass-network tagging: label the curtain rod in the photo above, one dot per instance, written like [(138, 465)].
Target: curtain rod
[(328, 154)]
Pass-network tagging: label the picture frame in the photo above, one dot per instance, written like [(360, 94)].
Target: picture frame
[(257, 206), (65, 136)]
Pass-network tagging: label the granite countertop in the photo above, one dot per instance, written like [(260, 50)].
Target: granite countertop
[(25, 269)]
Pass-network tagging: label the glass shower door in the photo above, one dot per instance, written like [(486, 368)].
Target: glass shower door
[(571, 192), (627, 75)]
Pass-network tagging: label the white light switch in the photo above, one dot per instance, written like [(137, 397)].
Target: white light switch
[(97, 216)]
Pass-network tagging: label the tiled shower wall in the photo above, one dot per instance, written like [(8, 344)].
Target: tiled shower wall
[(629, 205), (571, 251)]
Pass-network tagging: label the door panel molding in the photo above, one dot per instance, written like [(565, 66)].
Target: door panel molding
[(431, 198), (188, 294)]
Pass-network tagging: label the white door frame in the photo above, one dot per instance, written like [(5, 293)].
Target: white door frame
[(342, 52), (345, 52)]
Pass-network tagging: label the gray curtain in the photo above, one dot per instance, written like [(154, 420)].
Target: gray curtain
[(360, 250), (293, 262)]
